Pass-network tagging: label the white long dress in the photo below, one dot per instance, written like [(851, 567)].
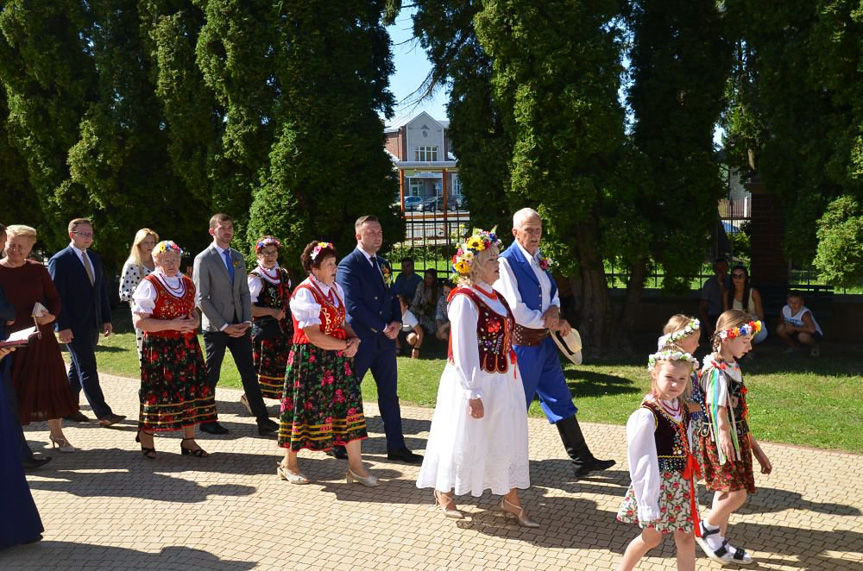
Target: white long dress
[(471, 455)]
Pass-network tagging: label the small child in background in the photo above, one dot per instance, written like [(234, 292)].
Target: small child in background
[(661, 499), (725, 452), (412, 333), (797, 326), (682, 333)]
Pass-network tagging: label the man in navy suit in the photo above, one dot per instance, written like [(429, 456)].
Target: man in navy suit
[(374, 314), (85, 312)]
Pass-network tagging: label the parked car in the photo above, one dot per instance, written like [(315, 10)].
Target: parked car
[(413, 203), (435, 204)]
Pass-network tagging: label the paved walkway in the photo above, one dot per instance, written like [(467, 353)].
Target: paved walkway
[(107, 507)]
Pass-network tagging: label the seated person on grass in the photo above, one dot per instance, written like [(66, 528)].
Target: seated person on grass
[(797, 326), (441, 318), (411, 332)]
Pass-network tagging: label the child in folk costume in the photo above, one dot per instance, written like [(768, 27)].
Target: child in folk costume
[(661, 499), (726, 449), (683, 333)]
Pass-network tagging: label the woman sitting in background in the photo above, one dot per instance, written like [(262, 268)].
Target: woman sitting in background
[(425, 300)]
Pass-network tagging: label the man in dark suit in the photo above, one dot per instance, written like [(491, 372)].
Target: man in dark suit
[(80, 280), (223, 297), (7, 316), (375, 316)]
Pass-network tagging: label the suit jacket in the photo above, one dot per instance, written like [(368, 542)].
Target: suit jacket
[(84, 308), (220, 301), (370, 303)]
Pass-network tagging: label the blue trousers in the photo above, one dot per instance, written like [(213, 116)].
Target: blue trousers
[(380, 359), (82, 371), (542, 374)]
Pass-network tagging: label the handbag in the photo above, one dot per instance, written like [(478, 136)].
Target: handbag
[(266, 328)]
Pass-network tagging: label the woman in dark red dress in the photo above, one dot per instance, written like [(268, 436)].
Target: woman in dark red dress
[(38, 370), (174, 391)]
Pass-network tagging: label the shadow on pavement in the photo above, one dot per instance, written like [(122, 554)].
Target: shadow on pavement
[(62, 554)]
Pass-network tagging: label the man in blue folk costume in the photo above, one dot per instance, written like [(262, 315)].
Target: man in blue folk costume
[(529, 288)]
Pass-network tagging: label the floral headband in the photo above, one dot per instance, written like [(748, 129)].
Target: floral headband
[(676, 336), (166, 246), (670, 355), (750, 328), (268, 241), (467, 252), (319, 247)]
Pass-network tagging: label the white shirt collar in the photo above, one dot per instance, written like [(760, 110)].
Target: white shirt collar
[(527, 256), (325, 289), (221, 250), (78, 251), (366, 254)]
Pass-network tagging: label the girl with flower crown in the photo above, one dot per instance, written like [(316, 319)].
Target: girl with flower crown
[(682, 332), (270, 290), (478, 436), (662, 497), (727, 447)]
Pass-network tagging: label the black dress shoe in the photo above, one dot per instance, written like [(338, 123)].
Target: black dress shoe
[(111, 420), (338, 451), (77, 416), (213, 428), (267, 427), (592, 465), (33, 463), (404, 455)]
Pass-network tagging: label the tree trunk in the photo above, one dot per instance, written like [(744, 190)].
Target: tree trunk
[(626, 323), (593, 302)]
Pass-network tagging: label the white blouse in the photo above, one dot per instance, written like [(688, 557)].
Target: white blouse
[(644, 460), (305, 309), (256, 285), (508, 286), (463, 316), (130, 279), (144, 298)]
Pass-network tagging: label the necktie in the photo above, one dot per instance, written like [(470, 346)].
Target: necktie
[(377, 267), (89, 268), (230, 263)]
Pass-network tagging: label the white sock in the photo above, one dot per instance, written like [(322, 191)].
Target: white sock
[(714, 540)]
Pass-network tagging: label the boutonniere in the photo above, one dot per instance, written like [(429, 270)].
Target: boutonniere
[(236, 264), (544, 263), (387, 273)]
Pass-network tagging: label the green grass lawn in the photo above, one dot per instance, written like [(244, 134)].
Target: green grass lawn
[(792, 398)]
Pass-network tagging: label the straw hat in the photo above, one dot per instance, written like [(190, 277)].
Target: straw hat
[(570, 345)]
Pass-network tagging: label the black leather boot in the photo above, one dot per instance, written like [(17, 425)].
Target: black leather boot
[(583, 462)]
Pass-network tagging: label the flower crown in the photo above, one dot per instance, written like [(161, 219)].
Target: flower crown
[(316, 251), (268, 241), (670, 355), (166, 246), (470, 249), (676, 336), (750, 328)]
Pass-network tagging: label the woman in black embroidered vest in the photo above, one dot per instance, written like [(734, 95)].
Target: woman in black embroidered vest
[(478, 436), (270, 290)]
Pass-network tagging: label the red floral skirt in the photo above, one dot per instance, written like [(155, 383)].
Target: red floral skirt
[(271, 362), (732, 476)]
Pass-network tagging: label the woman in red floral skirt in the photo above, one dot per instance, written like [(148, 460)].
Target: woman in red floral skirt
[(174, 391)]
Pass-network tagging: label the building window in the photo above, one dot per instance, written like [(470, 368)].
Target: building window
[(426, 153), (417, 187)]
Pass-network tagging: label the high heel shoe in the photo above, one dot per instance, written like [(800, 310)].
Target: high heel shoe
[(147, 452), (61, 443), (519, 513), (290, 477), (369, 481), (451, 513), (197, 453)]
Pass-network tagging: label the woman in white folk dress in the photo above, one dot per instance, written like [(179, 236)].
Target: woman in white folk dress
[(478, 436)]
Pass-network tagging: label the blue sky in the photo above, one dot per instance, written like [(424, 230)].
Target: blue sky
[(412, 66)]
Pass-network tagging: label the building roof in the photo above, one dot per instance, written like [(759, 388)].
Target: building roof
[(399, 122)]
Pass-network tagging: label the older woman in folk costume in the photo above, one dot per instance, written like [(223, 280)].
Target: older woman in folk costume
[(272, 330), (322, 402), (530, 290), (478, 436), (174, 391)]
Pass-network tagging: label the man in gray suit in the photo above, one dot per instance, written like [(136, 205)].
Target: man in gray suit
[(223, 298)]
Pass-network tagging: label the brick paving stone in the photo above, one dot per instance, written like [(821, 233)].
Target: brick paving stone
[(108, 507)]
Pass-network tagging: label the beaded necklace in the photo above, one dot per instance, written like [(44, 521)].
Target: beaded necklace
[(177, 292), (274, 277)]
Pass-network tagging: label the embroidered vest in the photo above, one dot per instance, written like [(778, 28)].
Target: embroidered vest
[(493, 333), (672, 444), (169, 306), (332, 318), (275, 296), (528, 285)]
